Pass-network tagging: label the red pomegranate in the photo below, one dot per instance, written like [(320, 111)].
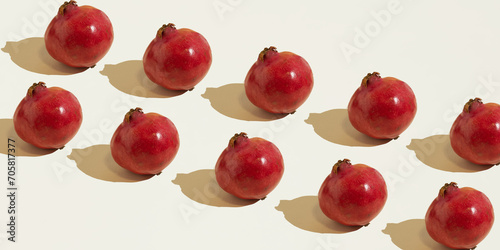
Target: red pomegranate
[(475, 134), (352, 195), (279, 82), (382, 107), (459, 218), (47, 117), (145, 143), (249, 168), (177, 59), (79, 36)]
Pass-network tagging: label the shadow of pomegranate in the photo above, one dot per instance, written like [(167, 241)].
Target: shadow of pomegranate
[(129, 77), (412, 235), (304, 212), (96, 161), (334, 126), (436, 152), (231, 101), (31, 54), (202, 187), (22, 148)]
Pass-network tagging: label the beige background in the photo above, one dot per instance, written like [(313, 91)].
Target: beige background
[(78, 198)]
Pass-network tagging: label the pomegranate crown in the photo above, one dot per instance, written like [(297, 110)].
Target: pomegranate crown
[(468, 105), (340, 163), (129, 114), (31, 90), (63, 7), (160, 31), (367, 78), (232, 142), (265, 51), (443, 190)]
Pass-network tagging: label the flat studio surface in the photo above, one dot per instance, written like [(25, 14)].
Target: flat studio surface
[(77, 197)]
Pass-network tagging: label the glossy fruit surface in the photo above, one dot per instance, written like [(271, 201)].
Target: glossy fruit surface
[(47, 117), (177, 59), (279, 82), (475, 134), (79, 36), (145, 143), (249, 168), (382, 107), (352, 195), (459, 218)]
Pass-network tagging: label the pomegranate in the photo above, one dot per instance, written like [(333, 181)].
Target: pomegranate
[(47, 117), (279, 82), (382, 107), (249, 168), (79, 36), (475, 134), (352, 195), (177, 59), (459, 218), (144, 143)]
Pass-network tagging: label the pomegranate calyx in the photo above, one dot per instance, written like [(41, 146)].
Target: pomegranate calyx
[(470, 103), (63, 7), (368, 77), (159, 34), (263, 54), (232, 142), (339, 164), (129, 114), (31, 90), (443, 190)]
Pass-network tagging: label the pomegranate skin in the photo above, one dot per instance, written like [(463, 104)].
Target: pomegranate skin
[(249, 168), (47, 117), (475, 134), (145, 143), (459, 218), (382, 108), (177, 59), (79, 36), (352, 195), (279, 82)]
